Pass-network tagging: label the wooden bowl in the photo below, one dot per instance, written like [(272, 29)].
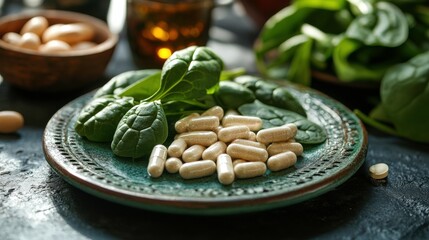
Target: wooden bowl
[(51, 72)]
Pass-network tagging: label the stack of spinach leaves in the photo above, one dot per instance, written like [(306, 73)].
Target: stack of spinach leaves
[(133, 111), (130, 110)]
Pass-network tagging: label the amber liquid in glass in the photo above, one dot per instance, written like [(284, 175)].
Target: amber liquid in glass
[(156, 29)]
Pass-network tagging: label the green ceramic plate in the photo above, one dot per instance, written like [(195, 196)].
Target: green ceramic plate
[(93, 168)]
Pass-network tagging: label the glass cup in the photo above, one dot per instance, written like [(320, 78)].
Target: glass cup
[(157, 28)]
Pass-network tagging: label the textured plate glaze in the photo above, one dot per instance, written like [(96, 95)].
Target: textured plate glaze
[(93, 168)]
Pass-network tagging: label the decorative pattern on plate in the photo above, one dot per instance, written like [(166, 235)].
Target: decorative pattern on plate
[(92, 167)]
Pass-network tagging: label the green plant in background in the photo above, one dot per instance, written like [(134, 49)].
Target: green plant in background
[(404, 101), (381, 42), (354, 40)]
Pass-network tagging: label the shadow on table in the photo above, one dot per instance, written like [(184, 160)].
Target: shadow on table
[(95, 218)]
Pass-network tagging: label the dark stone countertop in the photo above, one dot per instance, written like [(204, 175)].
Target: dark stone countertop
[(36, 203)]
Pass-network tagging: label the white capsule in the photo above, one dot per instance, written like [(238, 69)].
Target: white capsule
[(254, 123), (229, 134), (250, 169), (279, 147), (204, 138), (252, 136), (203, 123), (214, 111), (293, 128), (225, 169), (197, 169), (379, 171), (54, 46), (181, 125), (248, 153), (212, 152), (250, 143), (173, 164), (238, 161), (10, 121), (275, 134), (231, 112), (36, 25), (157, 160), (176, 148), (71, 33), (193, 153), (12, 38), (281, 161)]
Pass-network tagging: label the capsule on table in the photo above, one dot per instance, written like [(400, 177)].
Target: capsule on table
[(203, 123), (204, 138), (254, 123), (250, 169), (274, 134), (225, 169), (214, 111), (249, 143), (249, 153), (176, 148), (157, 160), (193, 153), (228, 134), (181, 125), (281, 161), (379, 171), (10, 121), (212, 152), (173, 164), (197, 169), (279, 147)]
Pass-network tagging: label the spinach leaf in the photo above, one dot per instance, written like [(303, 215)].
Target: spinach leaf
[(385, 26), (122, 81), (283, 25), (299, 70), (143, 88), (404, 95), (98, 119), (231, 95), (348, 70), (271, 94), (308, 132), (188, 74), (140, 129)]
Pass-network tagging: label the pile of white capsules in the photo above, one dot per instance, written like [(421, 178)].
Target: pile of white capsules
[(233, 145), (38, 35)]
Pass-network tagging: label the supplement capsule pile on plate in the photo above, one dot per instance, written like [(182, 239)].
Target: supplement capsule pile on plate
[(233, 146), (38, 35)]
